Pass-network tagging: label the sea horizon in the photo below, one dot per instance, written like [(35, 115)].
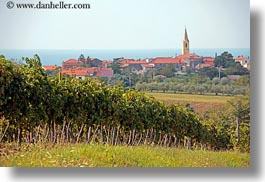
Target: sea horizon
[(57, 56)]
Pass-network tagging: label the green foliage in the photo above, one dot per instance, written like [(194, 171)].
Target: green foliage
[(195, 85), (66, 109), (30, 99), (115, 66), (240, 111), (210, 72), (237, 69), (167, 71), (125, 80), (225, 60), (232, 123), (244, 80)]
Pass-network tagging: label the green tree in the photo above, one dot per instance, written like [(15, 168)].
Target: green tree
[(216, 81), (224, 81), (115, 66), (236, 69), (225, 60), (118, 80), (216, 89), (240, 108), (244, 81), (2, 57), (210, 72), (167, 71)]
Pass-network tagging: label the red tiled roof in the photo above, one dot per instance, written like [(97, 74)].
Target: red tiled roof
[(167, 61), (68, 72), (240, 58), (104, 69), (205, 65), (136, 62), (106, 61), (51, 67), (104, 72), (72, 61), (208, 59), (127, 62), (124, 65), (79, 71), (124, 61), (188, 55)]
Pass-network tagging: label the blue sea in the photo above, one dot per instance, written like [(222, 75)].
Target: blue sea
[(55, 57)]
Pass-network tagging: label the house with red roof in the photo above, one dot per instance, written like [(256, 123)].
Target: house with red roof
[(82, 73), (71, 63), (244, 61), (180, 62), (94, 62), (147, 66), (159, 62), (91, 62), (51, 68), (104, 72), (132, 64), (190, 60), (106, 63), (208, 62)]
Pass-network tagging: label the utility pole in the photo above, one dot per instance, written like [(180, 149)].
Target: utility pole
[(219, 71), (220, 66)]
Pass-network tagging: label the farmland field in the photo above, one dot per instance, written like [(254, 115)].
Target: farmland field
[(200, 103), (84, 155)]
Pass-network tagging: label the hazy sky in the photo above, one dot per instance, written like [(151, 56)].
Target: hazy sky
[(127, 24)]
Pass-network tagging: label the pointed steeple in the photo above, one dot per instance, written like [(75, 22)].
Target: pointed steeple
[(186, 35), (185, 43)]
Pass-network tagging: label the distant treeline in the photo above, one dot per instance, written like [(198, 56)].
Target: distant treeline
[(198, 86)]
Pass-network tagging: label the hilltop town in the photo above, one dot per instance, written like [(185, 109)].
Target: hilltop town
[(128, 71)]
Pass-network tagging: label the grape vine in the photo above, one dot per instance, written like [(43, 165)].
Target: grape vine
[(37, 108)]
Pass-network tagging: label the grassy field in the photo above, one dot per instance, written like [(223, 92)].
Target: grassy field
[(199, 102), (84, 155)]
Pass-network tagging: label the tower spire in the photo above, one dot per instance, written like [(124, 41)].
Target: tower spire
[(186, 35), (185, 43)]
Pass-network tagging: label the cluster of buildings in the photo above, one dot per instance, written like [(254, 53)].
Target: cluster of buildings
[(181, 63), (82, 68), (87, 67), (91, 67)]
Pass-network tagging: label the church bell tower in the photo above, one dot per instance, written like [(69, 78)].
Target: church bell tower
[(185, 43)]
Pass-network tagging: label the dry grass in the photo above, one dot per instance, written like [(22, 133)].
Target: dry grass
[(200, 103)]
